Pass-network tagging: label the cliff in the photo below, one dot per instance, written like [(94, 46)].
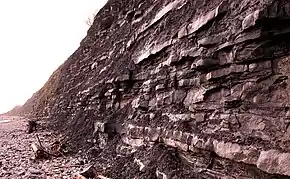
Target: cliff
[(179, 89)]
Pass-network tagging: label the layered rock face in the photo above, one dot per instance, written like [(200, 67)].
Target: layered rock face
[(206, 80)]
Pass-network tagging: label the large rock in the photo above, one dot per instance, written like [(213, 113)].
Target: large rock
[(273, 161)]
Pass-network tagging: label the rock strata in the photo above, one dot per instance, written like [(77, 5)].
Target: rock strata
[(207, 80)]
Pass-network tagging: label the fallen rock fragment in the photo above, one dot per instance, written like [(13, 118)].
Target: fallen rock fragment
[(78, 176), (160, 175), (140, 164), (21, 173), (102, 177), (34, 171), (89, 172), (39, 153), (31, 126)]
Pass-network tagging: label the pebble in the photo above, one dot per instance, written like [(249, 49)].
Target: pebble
[(21, 173), (34, 171)]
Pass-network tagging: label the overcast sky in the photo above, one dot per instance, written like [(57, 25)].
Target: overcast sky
[(36, 36)]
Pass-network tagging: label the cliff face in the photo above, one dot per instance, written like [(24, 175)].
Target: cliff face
[(206, 79)]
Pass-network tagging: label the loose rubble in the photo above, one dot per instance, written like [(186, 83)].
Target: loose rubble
[(17, 158)]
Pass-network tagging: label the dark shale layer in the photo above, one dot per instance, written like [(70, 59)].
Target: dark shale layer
[(179, 89)]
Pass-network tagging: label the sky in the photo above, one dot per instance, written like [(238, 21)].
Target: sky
[(37, 36)]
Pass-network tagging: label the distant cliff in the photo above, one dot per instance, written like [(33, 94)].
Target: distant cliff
[(179, 89), (13, 112)]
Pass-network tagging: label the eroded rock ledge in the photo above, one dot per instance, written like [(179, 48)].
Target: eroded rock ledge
[(211, 75), (271, 161)]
